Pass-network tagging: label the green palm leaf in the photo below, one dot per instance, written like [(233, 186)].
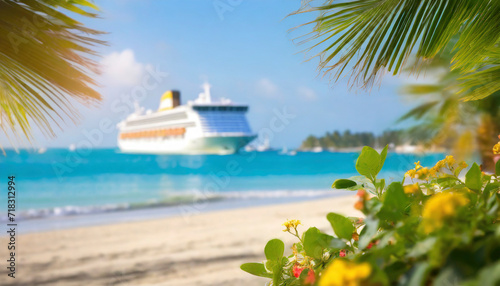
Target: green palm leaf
[(462, 126), (372, 37), (419, 111), (46, 64), (422, 89), (485, 81)]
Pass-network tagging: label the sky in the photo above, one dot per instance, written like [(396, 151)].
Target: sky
[(244, 49)]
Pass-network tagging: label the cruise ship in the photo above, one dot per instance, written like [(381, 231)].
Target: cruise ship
[(201, 126)]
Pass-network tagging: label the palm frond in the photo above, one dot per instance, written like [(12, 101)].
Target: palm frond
[(463, 127), (421, 89), (46, 64), (483, 82), (371, 37), (419, 111)]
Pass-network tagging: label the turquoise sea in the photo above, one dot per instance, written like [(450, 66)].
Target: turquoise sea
[(62, 182)]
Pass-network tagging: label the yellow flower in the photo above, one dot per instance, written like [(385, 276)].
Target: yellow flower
[(462, 165), (496, 148), (439, 208), (450, 161), (292, 223), (342, 272), (411, 173), (422, 173), (433, 171), (418, 172), (411, 189), (440, 164), (417, 165)]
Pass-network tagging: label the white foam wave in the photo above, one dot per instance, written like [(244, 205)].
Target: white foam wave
[(171, 199)]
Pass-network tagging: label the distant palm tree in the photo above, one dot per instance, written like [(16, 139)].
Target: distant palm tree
[(465, 126), (46, 64), (372, 37)]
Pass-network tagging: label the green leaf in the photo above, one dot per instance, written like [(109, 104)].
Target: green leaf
[(447, 178), (315, 242), (490, 276), (448, 181), (341, 225), (448, 275), (395, 203), (421, 248), (418, 274), (368, 232), (490, 187), (396, 270), (497, 168), (380, 184), (256, 269), (274, 249), (473, 178), (343, 184), (379, 277), (337, 244), (362, 181), (271, 264), (368, 163), (277, 274), (274, 253), (383, 155)]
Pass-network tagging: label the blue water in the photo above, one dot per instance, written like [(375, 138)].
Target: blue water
[(60, 181)]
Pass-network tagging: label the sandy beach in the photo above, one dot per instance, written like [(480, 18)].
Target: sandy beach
[(201, 249)]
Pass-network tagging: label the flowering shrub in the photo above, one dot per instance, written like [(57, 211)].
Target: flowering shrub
[(432, 228)]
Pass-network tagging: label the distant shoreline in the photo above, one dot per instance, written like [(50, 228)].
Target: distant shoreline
[(358, 149)]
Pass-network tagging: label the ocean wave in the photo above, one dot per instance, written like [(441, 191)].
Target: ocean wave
[(172, 199)]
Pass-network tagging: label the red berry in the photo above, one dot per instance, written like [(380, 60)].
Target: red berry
[(361, 193), (342, 253), (311, 278), (359, 205), (297, 270)]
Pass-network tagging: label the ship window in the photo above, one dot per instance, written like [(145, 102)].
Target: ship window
[(222, 122), (158, 119), (221, 108)]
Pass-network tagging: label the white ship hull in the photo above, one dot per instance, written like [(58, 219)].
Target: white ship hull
[(204, 145)]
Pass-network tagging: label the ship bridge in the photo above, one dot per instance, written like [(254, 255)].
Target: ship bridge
[(215, 120)]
